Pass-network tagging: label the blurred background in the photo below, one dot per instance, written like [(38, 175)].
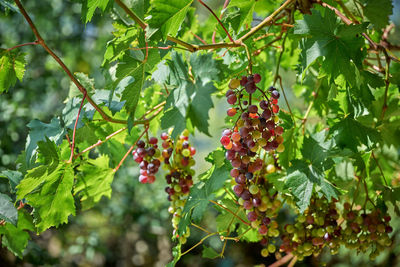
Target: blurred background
[(133, 227)]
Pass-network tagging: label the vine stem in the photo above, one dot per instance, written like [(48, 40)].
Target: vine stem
[(219, 21), (380, 168), (194, 48), (387, 83), (282, 261), (201, 228), (130, 149), (21, 45), (226, 3), (100, 142), (231, 212), (266, 21), (81, 88), (199, 243), (287, 102), (74, 132)]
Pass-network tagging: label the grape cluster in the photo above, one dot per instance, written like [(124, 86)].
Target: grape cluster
[(250, 147), (178, 159), (363, 231), (312, 231), (147, 157)]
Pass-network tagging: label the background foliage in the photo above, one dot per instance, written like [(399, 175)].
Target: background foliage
[(331, 78)]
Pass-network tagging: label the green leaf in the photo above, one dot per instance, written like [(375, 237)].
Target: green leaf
[(326, 37), (7, 210), (200, 106), (315, 148), (70, 113), (290, 144), (89, 7), (15, 238), (209, 253), (132, 72), (301, 188), (173, 118), (116, 48), (12, 67), (204, 68), (14, 177), (94, 181), (167, 16), (201, 194), (378, 12), (50, 194), (39, 131), (246, 10), (349, 133)]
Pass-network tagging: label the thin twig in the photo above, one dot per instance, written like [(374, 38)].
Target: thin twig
[(100, 142), (130, 149), (387, 83), (64, 67), (266, 21), (74, 132), (228, 210), (21, 45), (219, 21), (282, 261), (380, 168), (201, 228), (287, 102), (199, 243), (220, 17)]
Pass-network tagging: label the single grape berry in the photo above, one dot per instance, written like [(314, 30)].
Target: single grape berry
[(253, 109), (275, 94), (234, 83), (232, 99), (257, 78), (231, 112)]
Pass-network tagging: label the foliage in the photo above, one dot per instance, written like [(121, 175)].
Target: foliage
[(336, 69)]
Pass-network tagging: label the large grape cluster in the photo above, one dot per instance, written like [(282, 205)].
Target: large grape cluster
[(364, 231), (313, 230), (250, 147), (147, 157), (178, 159)]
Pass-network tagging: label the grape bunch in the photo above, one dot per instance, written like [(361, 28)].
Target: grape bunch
[(178, 159), (250, 147), (363, 231), (147, 157), (313, 230)]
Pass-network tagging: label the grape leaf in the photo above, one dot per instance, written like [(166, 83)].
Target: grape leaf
[(209, 253), (89, 7), (246, 10), (14, 177), (12, 67), (124, 37), (201, 194), (39, 131), (49, 193), (200, 105), (7, 210), (94, 181), (378, 12), (173, 118), (135, 70), (349, 133), (324, 36), (14, 237), (70, 112), (205, 68), (301, 188), (167, 16)]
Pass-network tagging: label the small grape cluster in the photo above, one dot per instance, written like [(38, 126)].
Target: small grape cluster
[(312, 231), (255, 133), (363, 231), (147, 157), (178, 159)]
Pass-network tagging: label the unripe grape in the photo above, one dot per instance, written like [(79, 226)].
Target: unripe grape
[(234, 83)]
